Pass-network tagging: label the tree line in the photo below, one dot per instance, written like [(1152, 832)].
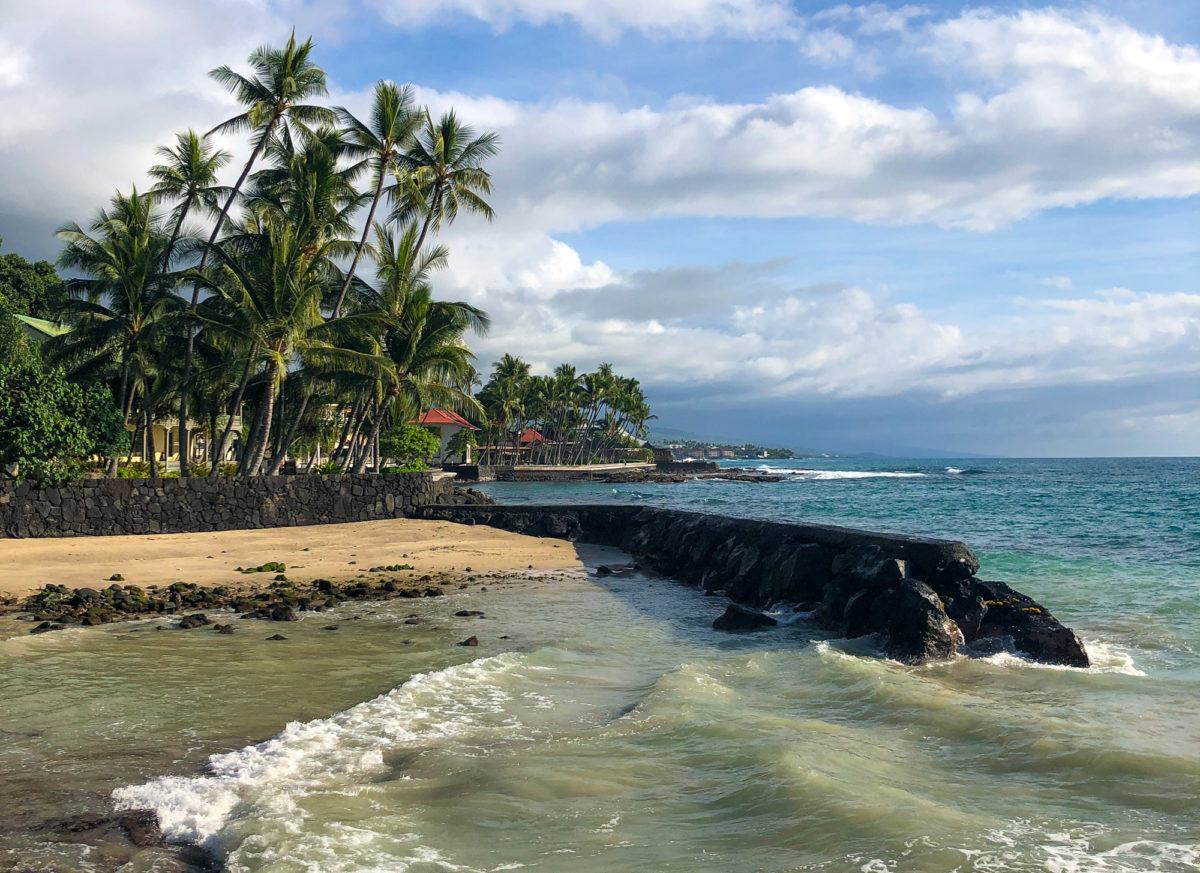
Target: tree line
[(267, 310), (564, 418)]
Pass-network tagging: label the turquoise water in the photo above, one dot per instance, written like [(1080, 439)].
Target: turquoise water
[(603, 726), (1112, 546)]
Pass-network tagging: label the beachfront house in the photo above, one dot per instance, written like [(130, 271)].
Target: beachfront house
[(444, 424)]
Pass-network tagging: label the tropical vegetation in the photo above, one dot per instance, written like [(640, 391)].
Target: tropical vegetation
[(566, 417), (290, 314)]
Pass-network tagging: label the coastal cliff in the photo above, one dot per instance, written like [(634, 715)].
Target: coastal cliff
[(919, 596)]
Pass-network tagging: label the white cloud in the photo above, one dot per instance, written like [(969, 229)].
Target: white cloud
[(1071, 110), (1060, 282), (608, 18)]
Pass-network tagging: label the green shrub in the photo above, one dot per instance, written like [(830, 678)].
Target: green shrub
[(328, 468), (133, 470), (411, 467), (409, 444)]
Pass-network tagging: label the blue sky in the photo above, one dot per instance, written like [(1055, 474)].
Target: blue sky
[(850, 227)]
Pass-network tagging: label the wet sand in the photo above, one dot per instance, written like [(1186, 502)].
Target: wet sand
[(329, 551)]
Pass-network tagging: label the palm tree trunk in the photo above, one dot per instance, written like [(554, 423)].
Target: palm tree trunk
[(152, 451), (212, 435), (222, 447), (376, 426), (433, 202), (183, 428), (337, 307), (191, 334), (124, 407), (342, 445), (353, 446), (268, 406), (289, 437)]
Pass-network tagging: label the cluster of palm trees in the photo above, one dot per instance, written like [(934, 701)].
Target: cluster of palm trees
[(563, 418), (268, 311)]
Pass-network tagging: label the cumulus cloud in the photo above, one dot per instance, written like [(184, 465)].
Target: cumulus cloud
[(695, 328), (1067, 110)]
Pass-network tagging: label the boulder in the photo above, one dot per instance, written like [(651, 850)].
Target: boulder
[(913, 624), (283, 613), (470, 641), (740, 618), (198, 619)]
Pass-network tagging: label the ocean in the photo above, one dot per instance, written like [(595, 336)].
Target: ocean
[(614, 730)]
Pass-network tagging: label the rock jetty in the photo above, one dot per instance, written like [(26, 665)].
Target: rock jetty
[(920, 597)]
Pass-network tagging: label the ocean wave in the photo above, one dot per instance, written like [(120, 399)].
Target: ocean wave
[(829, 475), (450, 702)]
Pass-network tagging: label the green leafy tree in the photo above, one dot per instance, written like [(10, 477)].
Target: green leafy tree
[(30, 288), (462, 443), (410, 444), (50, 426)]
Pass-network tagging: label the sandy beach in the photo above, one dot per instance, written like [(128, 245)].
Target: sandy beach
[(330, 551)]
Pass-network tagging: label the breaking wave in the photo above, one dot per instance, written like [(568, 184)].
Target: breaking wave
[(454, 702)]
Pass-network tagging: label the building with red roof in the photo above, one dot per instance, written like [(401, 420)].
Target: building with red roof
[(444, 423)]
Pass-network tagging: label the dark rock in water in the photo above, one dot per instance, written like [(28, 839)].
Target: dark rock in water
[(1032, 629), (871, 565), (283, 613), (602, 570), (414, 620), (920, 595), (330, 627), (223, 628), (913, 623), (466, 613), (141, 826), (739, 618), (188, 622), (275, 637), (470, 641)]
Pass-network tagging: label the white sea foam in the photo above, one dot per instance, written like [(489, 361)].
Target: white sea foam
[(954, 471), (1105, 658), (1076, 852), (451, 702), (829, 475)]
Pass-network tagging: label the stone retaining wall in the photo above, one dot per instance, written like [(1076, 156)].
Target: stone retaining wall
[(920, 596), (102, 507)]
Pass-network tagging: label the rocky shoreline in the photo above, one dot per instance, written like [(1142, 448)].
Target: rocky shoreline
[(56, 607), (919, 597)]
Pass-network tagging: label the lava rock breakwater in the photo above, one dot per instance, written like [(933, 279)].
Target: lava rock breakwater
[(919, 596)]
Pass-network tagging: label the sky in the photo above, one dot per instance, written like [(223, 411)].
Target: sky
[(874, 227)]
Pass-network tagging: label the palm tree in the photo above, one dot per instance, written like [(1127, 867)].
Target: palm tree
[(382, 141), (267, 289), (443, 173), (282, 80), (422, 338), (124, 306), (189, 177)]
